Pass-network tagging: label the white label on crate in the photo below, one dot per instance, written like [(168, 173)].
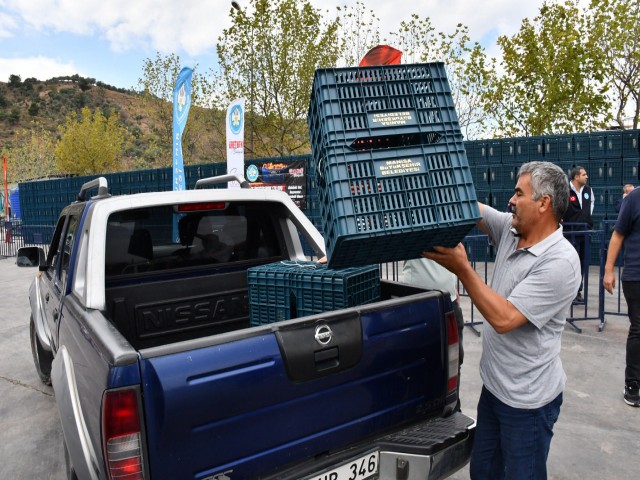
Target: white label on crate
[(401, 166), (391, 119)]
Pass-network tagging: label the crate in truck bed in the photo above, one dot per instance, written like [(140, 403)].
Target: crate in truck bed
[(290, 289), (384, 206)]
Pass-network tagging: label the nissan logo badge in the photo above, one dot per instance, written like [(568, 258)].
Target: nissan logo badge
[(324, 335)]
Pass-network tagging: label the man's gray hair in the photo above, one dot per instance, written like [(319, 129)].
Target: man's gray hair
[(549, 179)]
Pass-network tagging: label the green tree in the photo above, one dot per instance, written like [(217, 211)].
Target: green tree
[(269, 55), (85, 83), (14, 116), (553, 78), (32, 155), (91, 144), (469, 71), (359, 32), (616, 32), (15, 80), (33, 109)]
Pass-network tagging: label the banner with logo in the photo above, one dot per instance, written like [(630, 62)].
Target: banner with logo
[(235, 139), (181, 104), (289, 177)]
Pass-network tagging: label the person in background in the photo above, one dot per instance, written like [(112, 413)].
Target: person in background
[(580, 211), (625, 191), (627, 231), (429, 274), (536, 277)]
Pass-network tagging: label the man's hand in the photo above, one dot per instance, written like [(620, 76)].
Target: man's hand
[(453, 259), (609, 281)]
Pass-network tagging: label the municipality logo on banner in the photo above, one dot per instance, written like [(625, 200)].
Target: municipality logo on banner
[(235, 139), (181, 104)]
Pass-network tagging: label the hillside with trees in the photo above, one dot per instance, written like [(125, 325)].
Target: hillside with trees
[(34, 114)]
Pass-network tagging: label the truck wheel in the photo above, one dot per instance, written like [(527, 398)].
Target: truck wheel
[(71, 473), (41, 357)]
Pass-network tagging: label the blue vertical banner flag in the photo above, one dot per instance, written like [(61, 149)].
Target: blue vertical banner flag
[(235, 139), (181, 104)]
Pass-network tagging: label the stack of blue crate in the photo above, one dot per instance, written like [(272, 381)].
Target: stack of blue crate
[(390, 165)]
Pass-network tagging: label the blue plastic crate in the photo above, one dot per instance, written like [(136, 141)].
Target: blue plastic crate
[(597, 146), (630, 143), (476, 152), (387, 206), (597, 171), (606, 198), (613, 144), (290, 289), (379, 107), (508, 150), (484, 196), (494, 151), (480, 175), (581, 142), (604, 172), (536, 148), (503, 176), (558, 147), (631, 170), (521, 146)]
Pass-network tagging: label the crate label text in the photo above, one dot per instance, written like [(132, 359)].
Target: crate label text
[(402, 166), (391, 119)]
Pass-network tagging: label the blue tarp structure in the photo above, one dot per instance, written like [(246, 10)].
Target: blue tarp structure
[(14, 202)]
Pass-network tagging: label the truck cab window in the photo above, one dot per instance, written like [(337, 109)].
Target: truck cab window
[(67, 247)]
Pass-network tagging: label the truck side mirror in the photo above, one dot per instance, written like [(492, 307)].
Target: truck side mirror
[(30, 257)]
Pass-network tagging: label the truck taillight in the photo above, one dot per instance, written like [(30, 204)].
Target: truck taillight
[(122, 435), (453, 350)]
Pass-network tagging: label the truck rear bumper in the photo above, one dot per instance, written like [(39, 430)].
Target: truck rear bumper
[(429, 450)]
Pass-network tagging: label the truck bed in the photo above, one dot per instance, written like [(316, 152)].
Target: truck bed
[(151, 311), (383, 370)]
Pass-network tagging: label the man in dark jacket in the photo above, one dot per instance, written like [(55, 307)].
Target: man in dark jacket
[(581, 203)]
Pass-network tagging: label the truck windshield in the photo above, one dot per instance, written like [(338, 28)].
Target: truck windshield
[(160, 238)]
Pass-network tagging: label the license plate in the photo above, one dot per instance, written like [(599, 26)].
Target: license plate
[(361, 468)]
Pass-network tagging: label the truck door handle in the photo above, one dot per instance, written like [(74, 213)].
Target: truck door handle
[(326, 359), (56, 314)]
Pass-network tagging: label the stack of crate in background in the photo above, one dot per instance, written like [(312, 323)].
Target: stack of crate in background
[(611, 158), (495, 164), (43, 200), (389, 163)]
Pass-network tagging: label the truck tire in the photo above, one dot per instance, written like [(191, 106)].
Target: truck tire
[(41, 357), (71, 473)]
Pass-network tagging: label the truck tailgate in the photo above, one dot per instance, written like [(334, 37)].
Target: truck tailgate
[(271, 396)]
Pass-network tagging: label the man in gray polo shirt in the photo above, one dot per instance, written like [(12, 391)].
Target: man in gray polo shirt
[(536, 277)]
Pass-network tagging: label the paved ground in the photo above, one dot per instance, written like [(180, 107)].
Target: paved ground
[(596, 437)]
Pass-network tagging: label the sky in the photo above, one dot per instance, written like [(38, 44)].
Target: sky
[(109, 40)]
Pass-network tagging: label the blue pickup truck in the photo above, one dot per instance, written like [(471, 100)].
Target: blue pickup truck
[(140, 321)]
